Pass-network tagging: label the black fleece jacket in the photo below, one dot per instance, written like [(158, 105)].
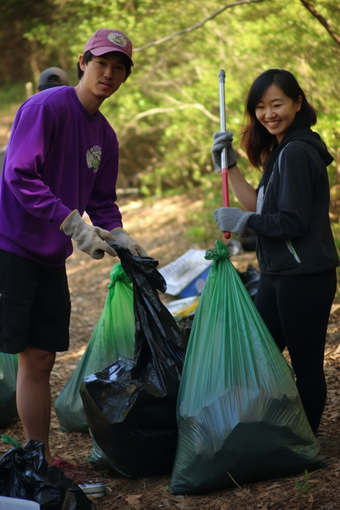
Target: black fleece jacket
[(292, 221)]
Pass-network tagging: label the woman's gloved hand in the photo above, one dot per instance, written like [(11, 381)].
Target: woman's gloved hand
[(89, 239), (223, 140), (232, 219)]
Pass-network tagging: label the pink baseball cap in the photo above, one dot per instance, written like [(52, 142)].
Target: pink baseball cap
[(106, 40)]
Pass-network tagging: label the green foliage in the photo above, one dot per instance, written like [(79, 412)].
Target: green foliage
[(12, 95), (166, 112), (305, 487)]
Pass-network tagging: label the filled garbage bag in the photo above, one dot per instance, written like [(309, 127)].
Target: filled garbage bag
[(98, 457), (113, 336), (8, 382), (239, 413), (24, 474), (130, 406)]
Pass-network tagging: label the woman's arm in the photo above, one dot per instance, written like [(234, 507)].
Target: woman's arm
[(244, 193)]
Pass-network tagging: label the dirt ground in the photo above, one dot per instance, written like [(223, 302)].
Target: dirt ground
[(160, 227)]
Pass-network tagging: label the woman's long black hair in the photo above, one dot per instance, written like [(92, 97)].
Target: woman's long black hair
[(256, 139)]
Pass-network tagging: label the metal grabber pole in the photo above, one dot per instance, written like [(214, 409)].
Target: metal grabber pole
[(224, 160)]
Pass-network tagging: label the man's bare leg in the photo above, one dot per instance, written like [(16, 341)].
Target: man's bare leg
[(34, 395)]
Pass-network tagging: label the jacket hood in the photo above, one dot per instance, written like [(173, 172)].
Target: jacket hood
[(311, 137)]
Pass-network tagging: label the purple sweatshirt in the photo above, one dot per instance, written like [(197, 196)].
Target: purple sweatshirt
[(59, 158)]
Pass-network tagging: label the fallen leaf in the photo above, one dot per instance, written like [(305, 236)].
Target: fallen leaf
[(133, 499)]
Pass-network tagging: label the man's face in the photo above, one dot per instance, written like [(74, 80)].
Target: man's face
[(103, 75)]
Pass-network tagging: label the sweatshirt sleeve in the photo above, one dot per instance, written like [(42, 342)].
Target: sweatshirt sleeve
[(32, 135), (292, 190)]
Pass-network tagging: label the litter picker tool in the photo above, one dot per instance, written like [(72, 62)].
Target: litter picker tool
[(224, 160)]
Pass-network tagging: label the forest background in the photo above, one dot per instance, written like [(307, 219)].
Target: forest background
[(164, 117), (166, 112)]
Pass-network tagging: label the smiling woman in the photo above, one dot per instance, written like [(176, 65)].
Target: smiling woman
[(288, 214), (276, 111), (275, 95)]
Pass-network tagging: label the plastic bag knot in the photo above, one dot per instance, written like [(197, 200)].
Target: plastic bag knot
[(220, 252), (118, 273)]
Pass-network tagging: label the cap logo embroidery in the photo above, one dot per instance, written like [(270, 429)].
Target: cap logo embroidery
[(93, 157), (117, 38)]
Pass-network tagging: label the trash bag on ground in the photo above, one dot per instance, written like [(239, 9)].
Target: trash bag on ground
[(250, 278), (98, 457), (8, 382), (113, 336), (130, 406), (24, 474), (239, 413)]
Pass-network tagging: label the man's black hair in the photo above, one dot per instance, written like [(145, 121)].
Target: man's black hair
[(89, 56)]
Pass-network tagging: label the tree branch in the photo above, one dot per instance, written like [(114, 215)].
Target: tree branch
[(198, 25), (321, 19), (155, 111)]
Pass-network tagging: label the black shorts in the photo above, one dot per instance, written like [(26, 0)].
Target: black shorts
[(35, 305)]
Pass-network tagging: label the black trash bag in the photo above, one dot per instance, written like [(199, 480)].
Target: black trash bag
[(130, 406), (250, 279), (185, 324), (24, 474)]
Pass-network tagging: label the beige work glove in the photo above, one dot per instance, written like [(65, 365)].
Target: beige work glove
[(89, 239), (123, 240)]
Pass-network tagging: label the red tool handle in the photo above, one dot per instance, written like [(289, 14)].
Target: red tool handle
[(225, 191), (224, 160)]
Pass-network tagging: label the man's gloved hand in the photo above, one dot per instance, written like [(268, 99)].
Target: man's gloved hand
[(232, 219), (123, 240), (222, 140), (89, 239)]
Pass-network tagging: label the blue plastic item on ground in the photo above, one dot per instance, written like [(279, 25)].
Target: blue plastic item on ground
[(186, 275), (17, 504), (195, 288)]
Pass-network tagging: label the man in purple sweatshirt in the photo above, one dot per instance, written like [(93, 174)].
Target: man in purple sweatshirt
[(61, 160)]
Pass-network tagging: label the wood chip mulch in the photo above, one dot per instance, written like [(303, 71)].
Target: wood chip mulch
[(88, 280)]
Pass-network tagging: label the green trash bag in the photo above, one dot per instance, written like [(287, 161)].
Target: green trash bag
[(8, 382), (113, 336), (239, 413)]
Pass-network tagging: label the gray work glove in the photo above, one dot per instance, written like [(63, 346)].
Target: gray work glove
[(222, 140), (89, 239), (232, 219), (123, 240)]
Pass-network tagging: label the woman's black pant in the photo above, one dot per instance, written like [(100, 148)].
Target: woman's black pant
[(296, 312)]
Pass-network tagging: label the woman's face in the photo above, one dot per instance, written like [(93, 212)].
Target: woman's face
[(276, 111)]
